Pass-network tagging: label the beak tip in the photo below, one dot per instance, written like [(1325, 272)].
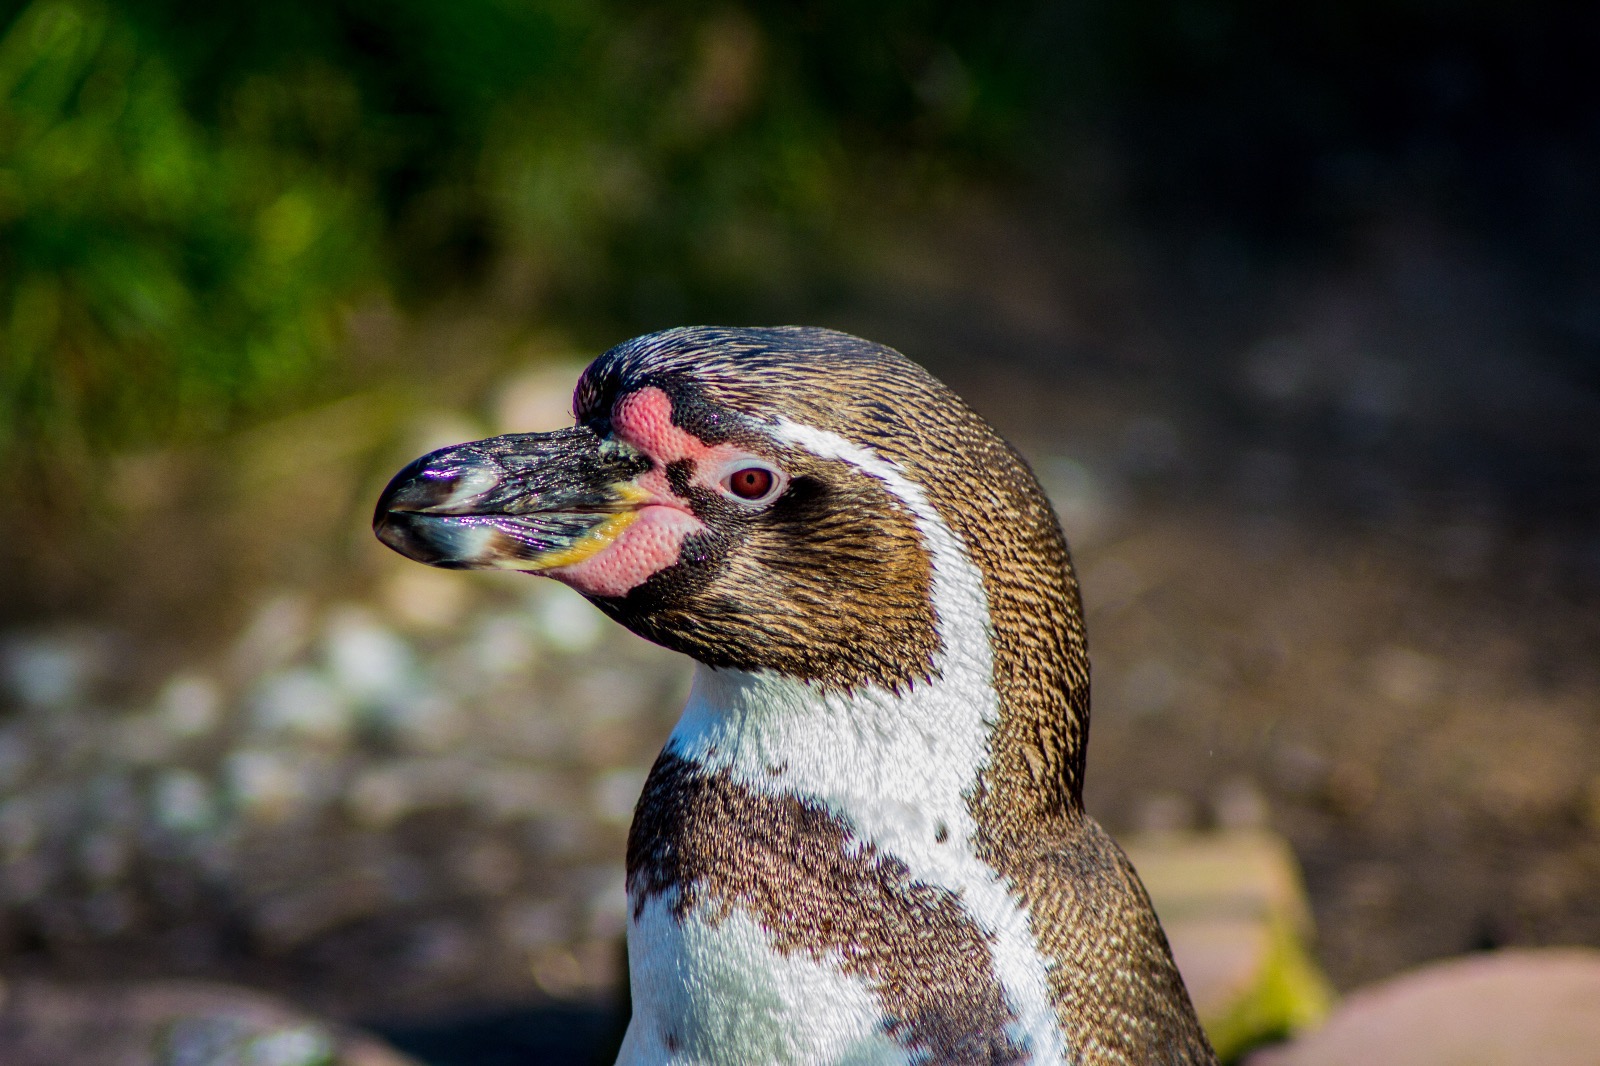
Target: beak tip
[(396, 531), (437, 485)]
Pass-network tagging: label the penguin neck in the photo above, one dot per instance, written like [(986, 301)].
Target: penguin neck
[(897, 767), (900, 765)]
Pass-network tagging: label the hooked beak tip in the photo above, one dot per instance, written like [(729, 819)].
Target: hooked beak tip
[(407, 533)]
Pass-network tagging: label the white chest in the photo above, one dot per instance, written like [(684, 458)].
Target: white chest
[(715, 993)]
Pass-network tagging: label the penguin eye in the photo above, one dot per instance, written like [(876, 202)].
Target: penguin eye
[(753, 483)]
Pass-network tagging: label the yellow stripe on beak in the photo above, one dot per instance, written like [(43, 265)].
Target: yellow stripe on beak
[(591, 543)]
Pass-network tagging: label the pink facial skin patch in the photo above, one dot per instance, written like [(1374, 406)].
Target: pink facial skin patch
[(644, 549), (655, 539)]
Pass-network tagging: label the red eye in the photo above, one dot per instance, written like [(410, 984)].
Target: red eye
[(750, 482)]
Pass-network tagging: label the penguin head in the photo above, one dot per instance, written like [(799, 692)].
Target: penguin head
[(764, 499)]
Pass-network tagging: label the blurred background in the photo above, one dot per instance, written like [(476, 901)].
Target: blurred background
[(1295, 309)]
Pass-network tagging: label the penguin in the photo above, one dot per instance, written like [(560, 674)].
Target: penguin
[(864, 841)]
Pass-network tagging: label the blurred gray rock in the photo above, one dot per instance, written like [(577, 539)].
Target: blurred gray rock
[(53, 669), (471, 716), (172, 1024), (567, 622), (503, 645), (366, 659), (183, 801), (422, 720), (278, 632), (271, 786), (190, 706), (301, 703)]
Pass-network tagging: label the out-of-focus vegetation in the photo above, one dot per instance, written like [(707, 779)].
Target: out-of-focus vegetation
[(191, 193), (157, 270)]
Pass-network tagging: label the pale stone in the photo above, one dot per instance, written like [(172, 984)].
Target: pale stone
[(302, 704), (504, 645), (378, 798), (184, 801), (366, 659), (1236, 915), (272, 787), (424, 721), (1505, 1008), (51, 671), (190, 706), (568, 622), (278, 632)]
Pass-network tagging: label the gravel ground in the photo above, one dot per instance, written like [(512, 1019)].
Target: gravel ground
[(1337, 532)]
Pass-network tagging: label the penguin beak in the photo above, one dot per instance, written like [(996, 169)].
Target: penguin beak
[(523, 501)]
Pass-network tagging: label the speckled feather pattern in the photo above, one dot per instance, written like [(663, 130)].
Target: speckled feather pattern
[(709, 842), (1117, 994)]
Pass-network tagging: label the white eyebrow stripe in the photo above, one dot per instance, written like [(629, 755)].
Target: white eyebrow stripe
[(825, 444)]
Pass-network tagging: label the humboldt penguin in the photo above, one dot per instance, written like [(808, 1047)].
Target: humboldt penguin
[(865, 841)]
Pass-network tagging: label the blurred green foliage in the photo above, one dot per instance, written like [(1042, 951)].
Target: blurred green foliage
[(153, 271), (191, 193)]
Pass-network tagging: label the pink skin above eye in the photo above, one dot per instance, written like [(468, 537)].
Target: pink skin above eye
[(655, 539)]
